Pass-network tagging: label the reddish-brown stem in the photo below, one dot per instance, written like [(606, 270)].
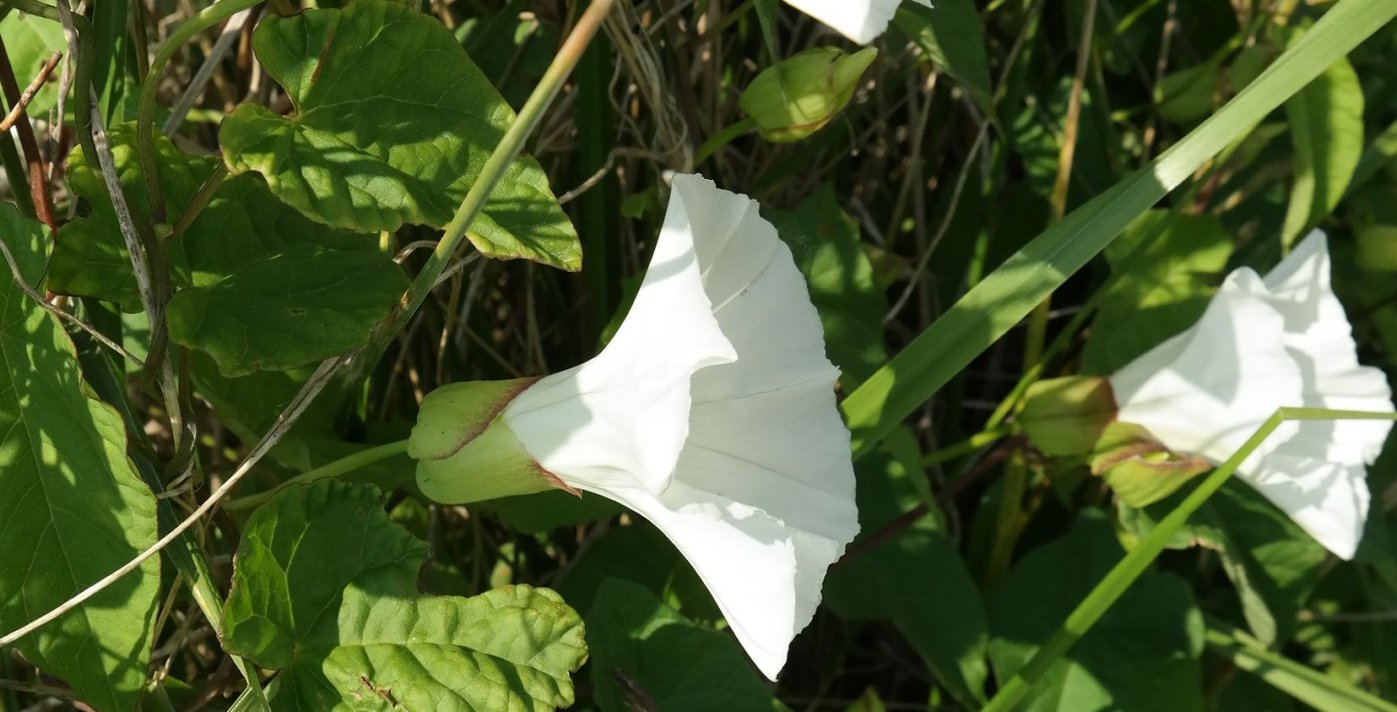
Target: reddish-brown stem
[(38, 186)]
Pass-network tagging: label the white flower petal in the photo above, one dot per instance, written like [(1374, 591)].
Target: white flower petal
[(1265, 344), (1328, 500), (1206, 390), (635, 414), (759, 490), (859, 20), (1320, 340)]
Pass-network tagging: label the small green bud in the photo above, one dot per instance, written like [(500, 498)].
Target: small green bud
[(1138, 468), (799, 95), (465, 450), (1066, 416)]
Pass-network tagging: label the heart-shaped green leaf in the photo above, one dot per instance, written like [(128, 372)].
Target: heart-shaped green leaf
[(393, 124), (73, 509), (288, 310), (324, 588)]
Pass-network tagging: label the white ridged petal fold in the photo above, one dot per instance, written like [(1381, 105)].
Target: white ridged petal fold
[(1265, 343), (859, 20), (712, 414)]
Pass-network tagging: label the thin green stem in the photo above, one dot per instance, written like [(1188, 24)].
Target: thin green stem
[(967, 446), (342, 466), (145, 120), (490, 174), (723, 138), (1124, 573)]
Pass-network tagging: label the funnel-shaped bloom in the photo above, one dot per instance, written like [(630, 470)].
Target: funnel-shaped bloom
[(859, 20), (711, 413), (1265, 343)]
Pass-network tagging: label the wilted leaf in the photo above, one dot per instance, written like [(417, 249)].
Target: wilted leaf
[(72, 508), (393, 124), (645, 652), (324, 589)]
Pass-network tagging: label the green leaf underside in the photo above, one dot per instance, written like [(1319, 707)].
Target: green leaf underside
[(289, 310), (242, 224), (1142, 655), (648, 656), (74, 509), (393, 124), (324, 589)]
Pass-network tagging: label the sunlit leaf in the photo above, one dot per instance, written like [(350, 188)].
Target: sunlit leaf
[(393, 123), (72, 508), (242, 224), (324, 589)]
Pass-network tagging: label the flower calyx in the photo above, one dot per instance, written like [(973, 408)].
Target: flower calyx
[(465, 450)]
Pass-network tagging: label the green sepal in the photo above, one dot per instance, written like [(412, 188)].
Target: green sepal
[(1138, 468), (465, 450), (799, 95), (1067, 416)]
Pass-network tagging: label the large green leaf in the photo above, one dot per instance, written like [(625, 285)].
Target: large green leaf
[(288, 310), (324, 589), (72, 507), (647, 656), (1142, 655), (1003, 298), (393, 123), (1326, 128), (242, 224), (1165, 288)]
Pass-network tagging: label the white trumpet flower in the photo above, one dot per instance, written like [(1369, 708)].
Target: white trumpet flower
[(1265, 343), (711, 413), (859, 20)]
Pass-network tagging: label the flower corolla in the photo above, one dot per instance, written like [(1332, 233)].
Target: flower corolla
[(859, 20), (711, 413), (1263, 343)]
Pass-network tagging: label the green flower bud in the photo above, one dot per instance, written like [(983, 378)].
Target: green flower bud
[(466, 452), (799, 95)]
